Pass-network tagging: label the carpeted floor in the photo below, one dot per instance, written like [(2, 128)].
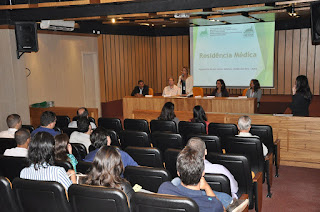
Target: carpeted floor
[(296, 189)]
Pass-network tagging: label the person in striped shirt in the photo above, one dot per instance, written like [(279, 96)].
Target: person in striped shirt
[(41, 158)]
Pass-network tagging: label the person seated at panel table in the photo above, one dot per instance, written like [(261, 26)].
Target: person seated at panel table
[(140, 90), (254, 91), (167, 113), (171, 89), (14, 123), (301, 97), (200, 116), (185, 83), (221, 90)]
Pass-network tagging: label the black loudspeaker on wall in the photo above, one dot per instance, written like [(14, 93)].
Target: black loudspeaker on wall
[(315, 23), (26, 37)]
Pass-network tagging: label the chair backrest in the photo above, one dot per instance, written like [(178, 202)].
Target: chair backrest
[(163, 141), (244, 92), (170, 159), (239, 167), (186, 128), (136, 125), (114, 138), (146, 156), (150, 91), (250, 147), (148, 177), (265, 133), (134, 138), (222, 129), (64, 164), (69, 131), (197, 91), (7, 143), (163, 126), (97, 198), (218, 182), (213, 143), (28, 127), (79, 151), (91, 119), (7, 198), (144, 202), (33, 195), (11, 167), (62, 121), (84, 167), (111, 124)]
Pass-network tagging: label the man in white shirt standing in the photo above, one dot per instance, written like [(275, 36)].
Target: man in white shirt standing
[(83, 134), (14, 123), (171, 89), (22, 137)]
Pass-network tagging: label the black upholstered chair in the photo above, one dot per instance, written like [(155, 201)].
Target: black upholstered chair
[(148, 177), (170, 159), (222, 130), (239, 167), (91, 119), (97, 198), (84, 167), (7, 143), (134, 138), (62, 121), (33, 195), (114, 138), (165, 140), (64, 164), (11, 167), (7, 198), (213, 143), (146, 156), (163, 126), (28, 127), (144, 202), (136, 125), (111, 124), (218, 182), (266, 136), (186, 128), (79, 151), (69, 131)]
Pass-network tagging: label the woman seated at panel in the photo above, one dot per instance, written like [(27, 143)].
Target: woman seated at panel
[(107, 168), (41, 158), (63, 150), (301, 97), (199, 116), (167, 113), (220, 90), (254, 91), (185, 83)]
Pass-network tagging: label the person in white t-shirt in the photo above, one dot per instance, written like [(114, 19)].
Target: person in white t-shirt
[(22, 137), (171, 89), (83, 134), (14, 123)]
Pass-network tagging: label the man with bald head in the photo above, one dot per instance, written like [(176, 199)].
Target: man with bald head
[(82, 112), (14, 123)]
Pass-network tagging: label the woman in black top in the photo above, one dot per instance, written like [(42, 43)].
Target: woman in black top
[(301, 97), (221, 90)]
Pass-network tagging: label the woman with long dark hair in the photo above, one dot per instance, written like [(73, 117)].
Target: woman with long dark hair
[(63, 150), (200, 116), (221, 90), (254, 91), (301, 97), (167, 113), (107, 169)]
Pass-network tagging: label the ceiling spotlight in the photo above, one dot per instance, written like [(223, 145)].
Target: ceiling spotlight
[(113, 20), (144, 24), (291, 12), (164, 25)]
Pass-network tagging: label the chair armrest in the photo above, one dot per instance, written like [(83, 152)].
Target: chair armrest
[(277, 141), (277, 146), (257, 185), (269, 162), (243, 197), (269, 156)]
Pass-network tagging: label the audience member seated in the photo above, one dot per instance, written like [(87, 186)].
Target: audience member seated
[(140, 90), (171, 89), (254, 91), (82, 112), (185, 83), (107, 169), (200, 116), (63, 150), (22, 137), (14, 123), (244, 125), (82, 136), (221, 90), (167, 113), (190, 168), (41, 158), (48, 122), (200, 146), (99, 138), (301, 97)]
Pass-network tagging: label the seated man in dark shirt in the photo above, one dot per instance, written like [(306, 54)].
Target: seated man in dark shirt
[(140, 90)]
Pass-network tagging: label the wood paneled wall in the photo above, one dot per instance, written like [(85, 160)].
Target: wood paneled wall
[(126, 59)]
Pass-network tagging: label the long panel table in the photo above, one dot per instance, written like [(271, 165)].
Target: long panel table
[(219, 104)]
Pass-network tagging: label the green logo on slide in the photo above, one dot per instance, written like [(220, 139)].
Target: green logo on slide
[(204, 33), (248, 32)]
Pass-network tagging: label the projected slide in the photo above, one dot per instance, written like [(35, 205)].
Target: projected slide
[(235, 53)]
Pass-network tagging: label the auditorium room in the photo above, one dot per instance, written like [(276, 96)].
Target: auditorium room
[(153, 106)]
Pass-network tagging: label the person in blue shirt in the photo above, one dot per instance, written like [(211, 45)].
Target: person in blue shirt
[(99, 138), (48, 122)]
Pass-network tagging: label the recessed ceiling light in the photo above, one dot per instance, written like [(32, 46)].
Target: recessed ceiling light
[(113, 20)]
